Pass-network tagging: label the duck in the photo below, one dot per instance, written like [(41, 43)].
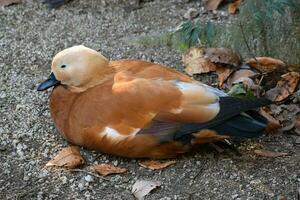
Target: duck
[(139, 109)]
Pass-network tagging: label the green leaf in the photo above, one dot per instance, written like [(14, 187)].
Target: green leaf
[(241, 91)]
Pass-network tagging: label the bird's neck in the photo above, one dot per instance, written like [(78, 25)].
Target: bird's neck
[(101, 76)]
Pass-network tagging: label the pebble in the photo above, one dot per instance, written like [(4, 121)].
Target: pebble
[(115, 162), (64, 179), (89, 178), (81, 186)]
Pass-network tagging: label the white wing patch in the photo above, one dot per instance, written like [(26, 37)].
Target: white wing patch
[(114, 134)]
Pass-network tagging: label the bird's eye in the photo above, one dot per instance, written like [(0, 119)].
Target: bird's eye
[(63, 66)]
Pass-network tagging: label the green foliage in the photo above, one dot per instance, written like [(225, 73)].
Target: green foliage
[(269, 27), (187, 34), (262, 28), (241, 91), (265, 10)]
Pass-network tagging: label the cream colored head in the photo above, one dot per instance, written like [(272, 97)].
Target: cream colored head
[(79, 68)]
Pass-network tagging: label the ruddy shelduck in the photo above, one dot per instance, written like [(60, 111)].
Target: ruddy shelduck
[(136, 108)]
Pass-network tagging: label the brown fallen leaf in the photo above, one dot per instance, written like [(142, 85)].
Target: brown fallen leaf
[(155, 164), (195, 63), (143, 187), (223, 73), (213, 4), (297, 124), (68, 157), (270, 154), (234, 6), (242, 76), (106, 169), (273, 124), (9, 2), (297, 121), (265, 64), (222, 56), (285, 87)]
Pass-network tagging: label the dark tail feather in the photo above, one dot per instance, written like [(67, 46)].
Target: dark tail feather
[(232, 106), (55, 3), (241, 126), (230, 121)]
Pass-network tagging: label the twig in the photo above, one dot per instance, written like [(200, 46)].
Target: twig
[(90, 173), (200, 170), (258, 85), (98, 156)]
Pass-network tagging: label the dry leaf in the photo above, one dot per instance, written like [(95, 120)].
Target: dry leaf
[(195, 63), (285, 87), (222, 55), (297, 121), (265, 64), (273, 123), (68, 157), (270, 154), (234, 6), (223, 73), (242, 76), (297, 124), (9, 2), (155, 164), (143, 187), (213, 4), (106, 169)]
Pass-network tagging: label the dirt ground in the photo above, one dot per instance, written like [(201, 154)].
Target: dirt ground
[(30, 34)]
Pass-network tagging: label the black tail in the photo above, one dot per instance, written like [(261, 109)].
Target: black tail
[(236, 118), (55, 3)]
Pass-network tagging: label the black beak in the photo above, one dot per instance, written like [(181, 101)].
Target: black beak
[(50, 82)]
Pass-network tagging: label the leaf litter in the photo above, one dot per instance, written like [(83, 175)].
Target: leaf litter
[(68, 157), (143, 187), (156, 164), (107, 169)]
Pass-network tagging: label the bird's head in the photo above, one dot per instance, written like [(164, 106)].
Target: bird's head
[(78, 68)]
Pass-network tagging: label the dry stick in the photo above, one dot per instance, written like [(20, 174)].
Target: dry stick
[(90, 173)]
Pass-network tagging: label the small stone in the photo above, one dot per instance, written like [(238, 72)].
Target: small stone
[(115, 162), (234, 196), (2, 95), (224, 14), (81, 186), (43, 174), (89, 178), (64, 179)]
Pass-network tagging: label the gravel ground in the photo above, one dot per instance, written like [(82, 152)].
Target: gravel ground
[(30, 34)]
